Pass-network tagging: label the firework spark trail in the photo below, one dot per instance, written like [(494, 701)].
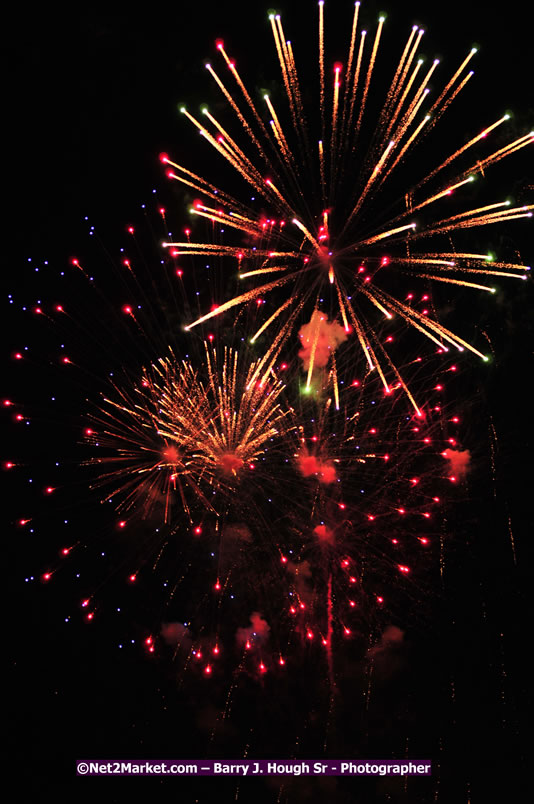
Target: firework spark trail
[(182, 437), (338, 448), (189, 432), (336, 237)]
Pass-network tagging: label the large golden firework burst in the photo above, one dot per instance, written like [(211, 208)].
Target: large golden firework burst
[(331, 234)]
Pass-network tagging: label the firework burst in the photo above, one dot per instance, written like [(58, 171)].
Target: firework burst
[(252, 530), (370, 506), (335, 236), (267, 529), (175, 432)]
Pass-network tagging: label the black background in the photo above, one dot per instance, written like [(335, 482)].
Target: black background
[(95, 101)]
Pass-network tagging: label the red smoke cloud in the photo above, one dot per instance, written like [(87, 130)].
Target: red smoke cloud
[(175, 633), (324, 534), (238, 532), (309, 465), (230, 463), (256, 632), (302, 575), (391, 637), (459, 461), (324, 334)]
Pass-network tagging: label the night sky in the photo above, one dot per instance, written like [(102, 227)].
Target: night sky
[(96, 98)]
